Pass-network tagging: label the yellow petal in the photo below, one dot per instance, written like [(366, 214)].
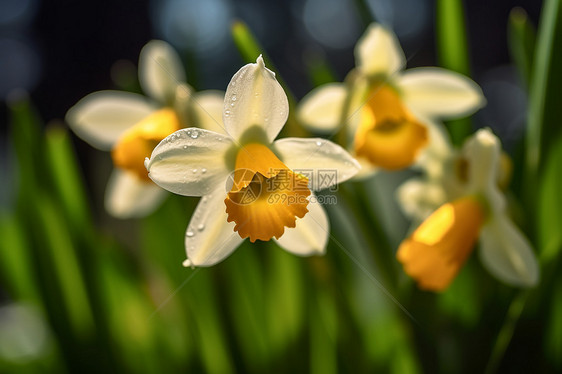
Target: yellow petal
[(138, 142), (438, 248), (266, 196), (388, 134)]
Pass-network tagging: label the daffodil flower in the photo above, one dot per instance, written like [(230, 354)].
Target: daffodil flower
[(443, 178), (388, 112), (251, 186), (131, 125), (438, 248)]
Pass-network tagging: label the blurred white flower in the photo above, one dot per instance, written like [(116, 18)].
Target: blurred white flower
[(438, 248), (130, 125), (252, 186), (388, 113)]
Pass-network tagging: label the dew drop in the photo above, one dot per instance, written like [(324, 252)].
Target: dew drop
[(189, 234), (194, 135), (194, 171), (203, 170), (231, 104), (233, 98), (201, 227), (319, 143)]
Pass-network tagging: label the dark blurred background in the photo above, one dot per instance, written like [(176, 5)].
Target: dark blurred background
[(62, 50)]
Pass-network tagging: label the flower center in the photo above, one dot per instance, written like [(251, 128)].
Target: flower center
[(388, 135), (265, 196), (138, 142), (438, 248)]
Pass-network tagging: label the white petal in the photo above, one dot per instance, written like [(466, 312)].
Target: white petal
[(482, 150), (209, 237), (434, 158), (379, 52), (507, 254), (101, 117), (190, 162), (255, 98), (207, 107), (419, 198), (325, 163), (441, 93), (127, 196), (321, 109), (310, 235), (160, 71)]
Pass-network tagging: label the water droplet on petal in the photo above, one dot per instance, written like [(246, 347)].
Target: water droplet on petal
[(201, 227), (189, 234), (319, 143), (203, 170)]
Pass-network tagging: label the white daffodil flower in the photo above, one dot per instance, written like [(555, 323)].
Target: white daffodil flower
[(251, 186), (438, 248), (388, 113), (443, 178), (131, 125)]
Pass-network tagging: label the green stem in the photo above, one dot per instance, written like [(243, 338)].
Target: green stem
[(506, 333), (371, 230)]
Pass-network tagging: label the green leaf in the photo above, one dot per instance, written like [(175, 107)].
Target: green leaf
[(323, 334), (210, 329), (452, 51), (554, 327), (66, 178), (127, 313), (521, 37), (248, 302), (550, 206), (285, 287), (66, 269), (452, 43), (545, 111), (17, 270), (247, 44), (26, 138)]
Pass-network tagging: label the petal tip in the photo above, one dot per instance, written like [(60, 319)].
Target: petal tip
[(188, 264)]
